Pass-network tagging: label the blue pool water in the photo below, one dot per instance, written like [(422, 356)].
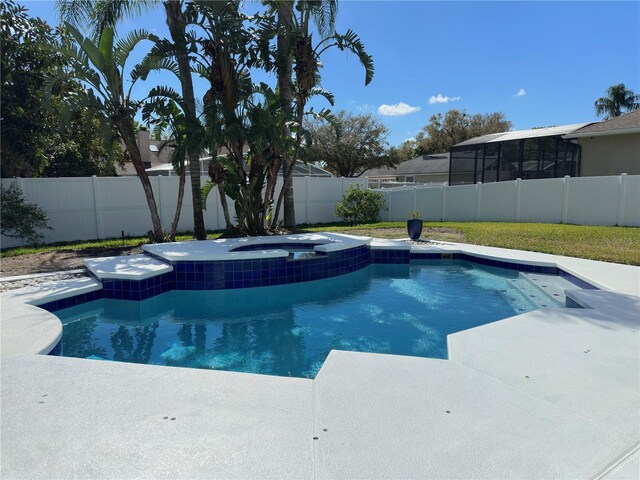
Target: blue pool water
[(290, 329)]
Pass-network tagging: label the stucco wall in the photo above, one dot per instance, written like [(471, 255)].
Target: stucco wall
[(610, 155)]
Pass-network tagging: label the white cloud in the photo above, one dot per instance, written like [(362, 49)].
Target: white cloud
[(410, 139), (397, 109), (442, 99), (521, 93)]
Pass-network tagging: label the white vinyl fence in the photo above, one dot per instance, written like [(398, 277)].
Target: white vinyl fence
[(86, 208), (611, 200)]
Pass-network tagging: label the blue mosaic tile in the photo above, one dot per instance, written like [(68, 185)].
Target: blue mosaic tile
[(72, 301), (57, 350), (576, 281)]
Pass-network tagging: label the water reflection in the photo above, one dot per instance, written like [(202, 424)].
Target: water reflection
[(290, 329)]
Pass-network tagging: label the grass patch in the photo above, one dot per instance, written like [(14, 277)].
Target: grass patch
[(610, 244), (94, 244)]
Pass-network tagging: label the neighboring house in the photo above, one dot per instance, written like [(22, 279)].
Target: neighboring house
[(150, 152), (525, 154), (611, 147), (158, 163), (299, 170), (424, 169)]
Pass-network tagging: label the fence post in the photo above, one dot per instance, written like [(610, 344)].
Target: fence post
[(443, 214), (478, 200), (565, 199), (20, 184), (306, 199), (518, 196), (97, 207), (415, 199), (622, 194)]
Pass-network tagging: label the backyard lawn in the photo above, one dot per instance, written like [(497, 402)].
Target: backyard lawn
[(610, 244)]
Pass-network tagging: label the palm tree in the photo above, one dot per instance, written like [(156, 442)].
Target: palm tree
[(177, 22), (106, 13), (240, 113), (166, 115), (618, 101), (294, 34), (101, 65)]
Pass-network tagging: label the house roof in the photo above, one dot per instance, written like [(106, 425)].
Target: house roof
[(300, 169), (627, 123), (423, 165), (520, 134)]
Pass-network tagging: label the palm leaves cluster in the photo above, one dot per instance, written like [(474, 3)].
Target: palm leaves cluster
[(220, 43), (619, 100)]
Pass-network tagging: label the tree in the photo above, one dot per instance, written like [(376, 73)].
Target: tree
[(167, 116), (177, 22), (240, 113), (101, 65), (457, 126), (106, 13), (405, 151), (19, 218), (360, 145), (26, 63), (619, 100), (39, 138), (295, 19)]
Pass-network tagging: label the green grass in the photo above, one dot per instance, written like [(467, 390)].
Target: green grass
[(93, 244), (611, 244)]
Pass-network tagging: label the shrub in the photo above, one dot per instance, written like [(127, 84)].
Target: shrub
[(360, 205), (19, 218)]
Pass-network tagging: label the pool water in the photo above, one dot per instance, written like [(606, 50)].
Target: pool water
[(289, 330)]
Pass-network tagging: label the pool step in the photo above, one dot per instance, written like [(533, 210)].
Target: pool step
[(553, 285), (128, 267)]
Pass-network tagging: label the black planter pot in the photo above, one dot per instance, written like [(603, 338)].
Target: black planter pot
[(414, 228)]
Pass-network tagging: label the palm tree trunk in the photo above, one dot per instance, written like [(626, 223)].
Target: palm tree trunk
[(176, 217), (127, 133), (285, 76), (225, 207), (177, 27)]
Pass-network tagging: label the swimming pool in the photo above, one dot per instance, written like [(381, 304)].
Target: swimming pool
[(289, 330)]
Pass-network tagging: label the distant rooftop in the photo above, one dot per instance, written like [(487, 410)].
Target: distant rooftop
[(423, 165), (520, 134), (627, 123)]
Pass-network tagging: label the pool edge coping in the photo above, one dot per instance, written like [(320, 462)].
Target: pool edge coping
[(37, 294)]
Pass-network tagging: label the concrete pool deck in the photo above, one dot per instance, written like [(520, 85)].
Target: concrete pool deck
[(549, 394)]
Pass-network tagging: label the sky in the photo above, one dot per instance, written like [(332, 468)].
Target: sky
[(541, 63)]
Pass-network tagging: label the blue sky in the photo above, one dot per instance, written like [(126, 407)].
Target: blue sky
[(541, 63)]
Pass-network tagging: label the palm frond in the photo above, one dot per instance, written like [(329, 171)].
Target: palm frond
[(324, 14), (75, 12), (126, 44), (323, 93), (166, 92), (351, 42)]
